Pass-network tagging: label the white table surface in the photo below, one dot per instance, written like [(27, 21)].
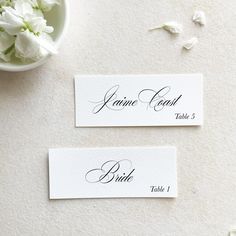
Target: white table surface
[(111, 37)]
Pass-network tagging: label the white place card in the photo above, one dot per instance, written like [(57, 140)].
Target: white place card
[(139, 100), (113, 173)]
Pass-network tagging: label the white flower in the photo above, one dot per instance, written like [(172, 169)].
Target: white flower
[(21, 18), (32, 47), (199, 17), (6, 46), (190, 43), (35, 6), (172, 27), (23, 8), (26, 46), (10, 21), (38, 25), (47, 5), (46, 43), (24, 30), (38, 12)]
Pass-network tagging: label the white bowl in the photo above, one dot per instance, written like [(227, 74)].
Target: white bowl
[(58, 18)]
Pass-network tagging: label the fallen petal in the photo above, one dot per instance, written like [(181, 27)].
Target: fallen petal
[(199, 17), (172, 27), (190, 43)]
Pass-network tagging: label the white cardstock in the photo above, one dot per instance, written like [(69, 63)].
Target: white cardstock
[(139, 100), (113, 173)]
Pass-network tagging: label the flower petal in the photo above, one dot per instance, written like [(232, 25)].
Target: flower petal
[(190, 43), (173, 27), (46, 42), (199, 17), (23, 7), (26, 46), (10, 21)]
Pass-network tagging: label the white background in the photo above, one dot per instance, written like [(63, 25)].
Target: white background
[(111, 37)]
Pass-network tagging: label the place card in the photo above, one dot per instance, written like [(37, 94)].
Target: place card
[(113, 173), (139, 100)]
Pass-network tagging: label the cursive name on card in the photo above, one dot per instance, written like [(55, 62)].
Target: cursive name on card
[(112, 172), (155, 100), (147, 100)]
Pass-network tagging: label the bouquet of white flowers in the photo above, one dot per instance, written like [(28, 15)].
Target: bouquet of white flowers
[(24, 32)]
